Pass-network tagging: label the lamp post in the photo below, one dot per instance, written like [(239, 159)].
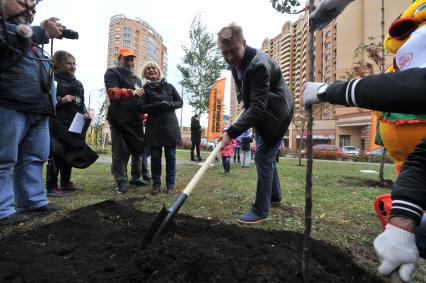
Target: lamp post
[(181, 112)]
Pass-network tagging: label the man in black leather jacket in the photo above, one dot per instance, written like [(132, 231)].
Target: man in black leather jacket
[(268, 108)]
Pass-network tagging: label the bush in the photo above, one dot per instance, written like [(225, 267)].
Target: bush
[(329, 155), (283, 151), (371, 158), (186, 144)]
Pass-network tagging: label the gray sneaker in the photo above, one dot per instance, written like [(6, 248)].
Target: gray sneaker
[(122, 187)]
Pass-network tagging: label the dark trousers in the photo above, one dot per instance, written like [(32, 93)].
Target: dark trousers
[(120, 159), (268, 184), (170, 154), (226, 162), (196, 146), (145, 155), (55, 165), (237, 154)]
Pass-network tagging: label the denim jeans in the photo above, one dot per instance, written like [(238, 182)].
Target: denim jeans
[(145, 155), (24, 147), (268, 184), (170, 154)]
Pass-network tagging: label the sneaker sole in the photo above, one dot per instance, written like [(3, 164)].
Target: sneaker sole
[(260, 221)]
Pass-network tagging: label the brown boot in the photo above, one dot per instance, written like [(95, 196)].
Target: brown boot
[(170, 190), (155, 189)]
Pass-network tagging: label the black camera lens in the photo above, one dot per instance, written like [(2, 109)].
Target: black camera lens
[(69, 33)]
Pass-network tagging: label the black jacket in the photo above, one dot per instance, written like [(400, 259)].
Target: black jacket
[(195, 130), (71, 146), (267, 100), (123, 115), (160, 102)]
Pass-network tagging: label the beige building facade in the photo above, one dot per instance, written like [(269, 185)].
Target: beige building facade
[(334, 55), (140, 37)]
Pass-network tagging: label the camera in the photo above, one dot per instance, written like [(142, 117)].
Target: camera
[(69, 33)]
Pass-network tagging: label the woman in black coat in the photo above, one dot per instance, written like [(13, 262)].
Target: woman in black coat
[(195, 137), (162, 128)]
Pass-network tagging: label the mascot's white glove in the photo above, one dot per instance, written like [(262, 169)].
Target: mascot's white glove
[(397, 249), (311, 91), (326, 11)]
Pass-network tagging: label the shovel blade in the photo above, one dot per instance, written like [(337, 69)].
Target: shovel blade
[(164, 221)]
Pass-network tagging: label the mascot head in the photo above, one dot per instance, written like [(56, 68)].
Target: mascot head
[(401, 29)]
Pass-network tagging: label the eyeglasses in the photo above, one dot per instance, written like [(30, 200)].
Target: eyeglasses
[(129, 58)]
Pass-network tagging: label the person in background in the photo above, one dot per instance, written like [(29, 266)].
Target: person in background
[(268, 108), (26, 101), (195, 137), (162, 128), (124, 90), (237, 151), (66, 146), (226, 152), (245, 143)]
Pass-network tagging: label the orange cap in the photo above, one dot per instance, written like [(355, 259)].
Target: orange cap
[(125, 52)]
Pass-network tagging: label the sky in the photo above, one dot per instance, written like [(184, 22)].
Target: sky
[(170, 18)]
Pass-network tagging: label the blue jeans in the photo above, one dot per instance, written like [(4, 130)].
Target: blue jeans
[(24, 147), (170, 154), (268, 184)]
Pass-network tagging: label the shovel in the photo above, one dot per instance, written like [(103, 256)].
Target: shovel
[(164, 221)]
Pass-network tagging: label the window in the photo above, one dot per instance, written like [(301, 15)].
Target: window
[(328, 45), (328, 34), (344, 140)]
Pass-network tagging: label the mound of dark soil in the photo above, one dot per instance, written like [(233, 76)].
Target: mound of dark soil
[(362, 182), (100, 243)]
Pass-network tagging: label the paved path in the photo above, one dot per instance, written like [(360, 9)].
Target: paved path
[(107, 159)]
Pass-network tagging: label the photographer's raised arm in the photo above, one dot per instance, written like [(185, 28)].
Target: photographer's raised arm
[(401, 92)]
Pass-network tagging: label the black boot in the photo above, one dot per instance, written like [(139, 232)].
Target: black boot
[(192, 156)]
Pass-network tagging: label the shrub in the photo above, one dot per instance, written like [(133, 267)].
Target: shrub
[(371, 158), (186, 144), (283, 151), (329, 155)]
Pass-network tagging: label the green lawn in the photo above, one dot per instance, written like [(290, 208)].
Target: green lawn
[(343, 212)]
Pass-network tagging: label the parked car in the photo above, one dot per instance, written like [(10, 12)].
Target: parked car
[(377, 151), (350, 150), (323, 148)]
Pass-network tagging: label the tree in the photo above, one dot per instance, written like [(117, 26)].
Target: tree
[(285, 6), (201, 66), (361, 68), (98, 123), (299, 122)]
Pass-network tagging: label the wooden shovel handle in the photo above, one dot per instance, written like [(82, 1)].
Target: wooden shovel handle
[(197, 177)]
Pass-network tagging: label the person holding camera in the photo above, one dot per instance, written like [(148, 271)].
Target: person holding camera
[(25, 104), (124, 90), (68, 149)]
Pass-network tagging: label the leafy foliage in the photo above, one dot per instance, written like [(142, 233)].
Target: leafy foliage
[(285, 6), (201, 66), (360, 67)]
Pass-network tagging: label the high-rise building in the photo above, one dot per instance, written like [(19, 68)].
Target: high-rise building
[(140, 37), (334, 55)]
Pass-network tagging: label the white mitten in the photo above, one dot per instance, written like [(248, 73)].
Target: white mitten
[(397, 249), (310, 93)]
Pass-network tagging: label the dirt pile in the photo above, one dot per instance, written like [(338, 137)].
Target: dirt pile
[(100, 243)]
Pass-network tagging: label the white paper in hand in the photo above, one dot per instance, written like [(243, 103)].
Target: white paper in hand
[(77, 123)]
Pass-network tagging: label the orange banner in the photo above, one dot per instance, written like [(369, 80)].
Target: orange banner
[(216, 109)]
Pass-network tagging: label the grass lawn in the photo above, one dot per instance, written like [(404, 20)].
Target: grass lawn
[(343, 212)]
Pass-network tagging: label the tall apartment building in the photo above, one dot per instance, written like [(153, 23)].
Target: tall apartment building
[(334, 55), (140, 37)]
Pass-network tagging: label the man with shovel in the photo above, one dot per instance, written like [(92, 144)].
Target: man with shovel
[(268, 107)]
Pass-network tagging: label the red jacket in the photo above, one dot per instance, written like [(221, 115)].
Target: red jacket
[(229, 149)]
